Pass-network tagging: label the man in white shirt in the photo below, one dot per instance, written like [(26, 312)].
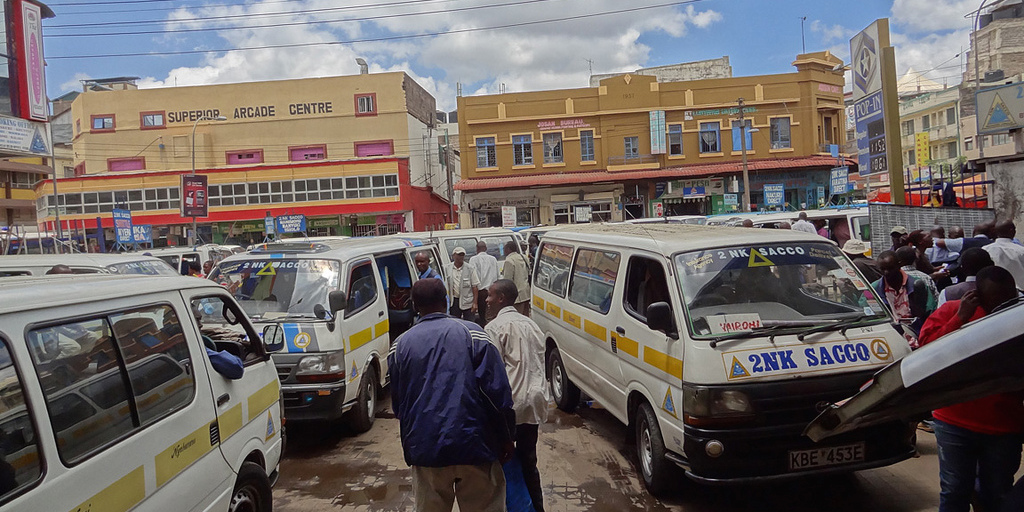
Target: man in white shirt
[(517, 271), (521, 344), (1005, 253), (486, 267), (802, 224), (463, 286)]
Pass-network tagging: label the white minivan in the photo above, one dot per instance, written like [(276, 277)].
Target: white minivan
[(85, 263), (110, 400), (716, 345), (340, 304)]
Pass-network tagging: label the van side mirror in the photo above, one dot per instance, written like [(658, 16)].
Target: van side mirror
[(659, 318), (273, 338), (337, 301)]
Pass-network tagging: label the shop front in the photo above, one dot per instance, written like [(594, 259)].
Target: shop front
[(487, 212), (698, 196), (802, 189), (582, 208)]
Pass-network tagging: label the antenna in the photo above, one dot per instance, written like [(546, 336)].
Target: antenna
[(590, 63), (803, 42)]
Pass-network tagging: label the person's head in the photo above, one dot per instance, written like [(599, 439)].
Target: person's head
[(747, 223), (194, 268), (919, 239), (956, 232), (973, 260), (422, 261), (995, 286), (890, 267), (207, 266), (906, 255), (820, 223), (897, 233), (502, 293), (855, 248), (1005, 229), (458, 256), (59, 269), (938, 232), (785, 225), (429, 296), (534, 240), (511, 248), (986, 228), (481, 247)]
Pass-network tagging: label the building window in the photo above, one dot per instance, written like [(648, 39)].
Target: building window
[(926, 122), (102, 123), (780, 133), (908, 127), (552, 148), (152, 120), (675, 139), (969, 144), (307, 153), (999, 139), (737, 132), (374, 148), (80, 169), (366, 104), (245, 156), (485, 156), (631, 147), (911, 157), (522, 150), (587, 145), (709, 138), (78, 126), (126, 164), (951, 115)]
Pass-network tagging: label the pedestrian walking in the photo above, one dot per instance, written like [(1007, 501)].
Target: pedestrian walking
[(451, 395), (517, 271), (979, 441), (520, 343), (486, 267), (463, 286)]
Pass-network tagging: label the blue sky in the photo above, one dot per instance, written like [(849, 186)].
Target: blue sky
[(759, 36)]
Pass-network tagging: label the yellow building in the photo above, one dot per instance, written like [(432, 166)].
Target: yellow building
[(354, 154), (634, 147)]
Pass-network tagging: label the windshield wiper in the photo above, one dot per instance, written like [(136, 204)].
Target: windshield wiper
[(841, 325), (767, 326)]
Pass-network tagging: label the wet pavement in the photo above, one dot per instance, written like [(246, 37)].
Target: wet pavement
[(586, 464)]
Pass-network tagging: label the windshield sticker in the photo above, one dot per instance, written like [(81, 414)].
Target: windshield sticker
[(758, 260), (773, 361), (753, 257), (720, 324), (299, 338), (668, 405), (268, 270), (850, 273)]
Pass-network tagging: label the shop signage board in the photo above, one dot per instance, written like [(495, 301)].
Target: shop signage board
[(123, 226), (731, 199), (142, 233), (21, 136), (921, 152), (774, 194), (508, 216), (838, 180), (657, 132), (495, 204), (193, 195), (269, 226), (582, 213), (875, 104), (1000, 108), (291, 223)]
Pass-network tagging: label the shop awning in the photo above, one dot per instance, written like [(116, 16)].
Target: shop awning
[(601, 176)]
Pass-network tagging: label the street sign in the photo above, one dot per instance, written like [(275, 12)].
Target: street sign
[(774, 194), (838, 180), (508, 216), (123, 226), (193, 196), (291, 224), (1000, 108)]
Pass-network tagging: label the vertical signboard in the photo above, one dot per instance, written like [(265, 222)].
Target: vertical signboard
[(508, 216), (838, 180), (774, 194), (123, 227), (658, 132), (28, 25), (193, 196), (921, 151)]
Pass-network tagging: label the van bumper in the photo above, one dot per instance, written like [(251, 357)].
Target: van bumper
[(758, 455), (314, 403)]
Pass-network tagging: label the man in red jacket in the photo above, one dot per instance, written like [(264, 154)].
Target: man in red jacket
[(980, 439)]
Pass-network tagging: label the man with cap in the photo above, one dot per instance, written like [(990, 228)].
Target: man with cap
[(898, 234), (857, 251), (463, 285)]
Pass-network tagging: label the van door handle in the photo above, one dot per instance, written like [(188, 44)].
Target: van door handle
[(380, 313), (223, 399), (621, 330)]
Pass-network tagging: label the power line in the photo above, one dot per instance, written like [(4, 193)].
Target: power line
[(375, 39), (158, 9)]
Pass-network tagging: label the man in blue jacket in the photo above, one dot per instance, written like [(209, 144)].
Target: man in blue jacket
[(452, 398)]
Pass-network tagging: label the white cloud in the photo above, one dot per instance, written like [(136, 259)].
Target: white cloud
[(75, 84), (935, 54), (833, 33), (933, 15)]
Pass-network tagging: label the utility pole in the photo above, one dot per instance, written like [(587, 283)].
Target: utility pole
[(803, 42), (743, 151), (448, 175)]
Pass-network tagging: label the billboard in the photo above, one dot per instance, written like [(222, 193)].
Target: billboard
[(838, 180), (31, 79), (123, 227), (193, 196), (291, 223), (774, 194), (142, 233)]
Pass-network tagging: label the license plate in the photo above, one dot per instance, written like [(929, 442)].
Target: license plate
[(826, 456)]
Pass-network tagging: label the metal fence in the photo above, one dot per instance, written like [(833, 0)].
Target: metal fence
[(885, 216)]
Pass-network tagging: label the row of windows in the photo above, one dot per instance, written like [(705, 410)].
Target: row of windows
[(709, 138), (164, 198), (909, 126), (322, 189)]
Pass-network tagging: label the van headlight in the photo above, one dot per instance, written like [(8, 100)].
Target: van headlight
[(715, 407), (325, 367)]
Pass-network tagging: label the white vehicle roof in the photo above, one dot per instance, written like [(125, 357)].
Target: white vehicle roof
[(458, 233), (333, 248), (78, 259), (671, 238), (182, 249), (27, 293), (765, 217)]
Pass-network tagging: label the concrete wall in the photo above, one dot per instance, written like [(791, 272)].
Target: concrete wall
[(699, 70)]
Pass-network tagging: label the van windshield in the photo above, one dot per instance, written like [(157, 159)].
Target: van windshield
[(145, 267), (737, 288), (269, 289)]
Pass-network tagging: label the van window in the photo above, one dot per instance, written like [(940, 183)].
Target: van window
[(19, 452), (14, 273), (226, 334), (496, 245), (469, 244), (552, 273), (862, 228), (362, 288), (104, 378), (645, 285), (593, 279)]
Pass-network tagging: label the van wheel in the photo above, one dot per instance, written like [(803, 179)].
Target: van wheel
[(650, 450), (365, 410), (565, 393), (252, 490)]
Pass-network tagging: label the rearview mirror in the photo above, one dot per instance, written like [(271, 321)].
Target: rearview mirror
[(659, 318), (337, 301), (273, 338)]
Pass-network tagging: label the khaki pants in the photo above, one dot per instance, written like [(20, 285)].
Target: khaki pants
[(477, 488)]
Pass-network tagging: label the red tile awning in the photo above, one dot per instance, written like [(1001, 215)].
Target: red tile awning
[(603, 176)]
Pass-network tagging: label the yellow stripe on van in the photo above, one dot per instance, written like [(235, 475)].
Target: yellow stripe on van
[(554, 310), (595, 330), (119, 496), (663, 362), (571, 319), (359, 339), (182, 454), (538, 303), (230, 422), (627, 345), (381, 328), (264, 398)]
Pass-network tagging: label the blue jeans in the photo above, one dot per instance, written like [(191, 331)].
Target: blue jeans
[(965, 457)]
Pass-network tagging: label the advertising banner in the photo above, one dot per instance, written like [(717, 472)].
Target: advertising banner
[(291, 224), (142, 234), (508, 216), (123, 226), (31, 65), (657, 132), (774, 194), (193, 196), (921, 152), (838, 180)]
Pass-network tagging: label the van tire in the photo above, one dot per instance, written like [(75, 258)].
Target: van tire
[(365, 410), (252, 490), (565, 393), (653, 467)]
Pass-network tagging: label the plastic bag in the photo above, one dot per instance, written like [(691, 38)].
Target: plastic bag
[(517, 496)]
